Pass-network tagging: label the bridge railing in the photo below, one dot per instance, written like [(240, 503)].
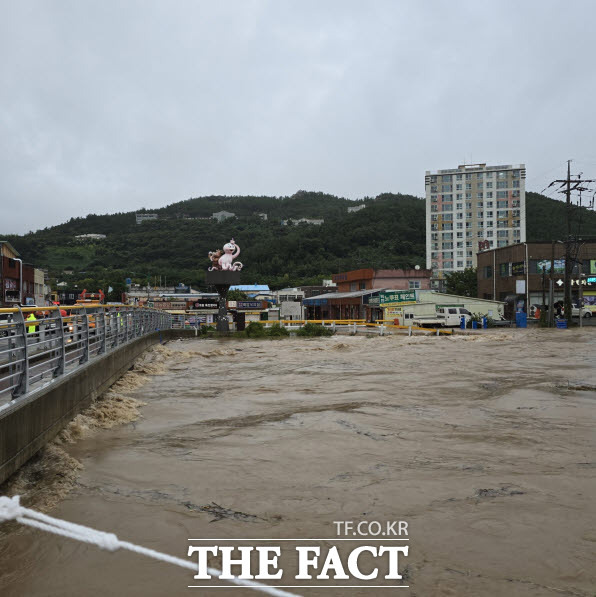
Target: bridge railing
[(38, 345)]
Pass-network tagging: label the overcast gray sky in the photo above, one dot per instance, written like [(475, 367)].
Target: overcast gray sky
[(116, 105)]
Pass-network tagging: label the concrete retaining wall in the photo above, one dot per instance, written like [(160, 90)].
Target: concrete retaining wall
[(33, 420)]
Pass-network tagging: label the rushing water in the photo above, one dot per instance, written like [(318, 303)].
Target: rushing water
[(484, 444)]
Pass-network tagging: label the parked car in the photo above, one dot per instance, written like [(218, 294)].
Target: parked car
[(584, 311)]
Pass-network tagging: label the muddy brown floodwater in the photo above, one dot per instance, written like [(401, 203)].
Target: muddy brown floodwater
[(485, 445)]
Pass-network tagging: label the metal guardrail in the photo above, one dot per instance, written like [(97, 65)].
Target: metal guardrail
[(35, 349)]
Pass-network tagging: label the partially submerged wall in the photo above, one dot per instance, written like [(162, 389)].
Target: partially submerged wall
[(28, 423)]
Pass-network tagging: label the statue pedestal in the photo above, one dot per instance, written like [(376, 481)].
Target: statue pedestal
[(222, 280)]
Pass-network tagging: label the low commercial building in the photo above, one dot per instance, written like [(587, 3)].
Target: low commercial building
[(142, 217), (520, 274), (397, 279), (220, 216)]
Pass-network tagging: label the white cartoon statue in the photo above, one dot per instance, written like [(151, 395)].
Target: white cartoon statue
[(226, 261)]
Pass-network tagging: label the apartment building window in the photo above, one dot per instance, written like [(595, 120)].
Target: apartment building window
[(480, 214), (487, 271), (446, 246), (489, 195), (489, 233), (468, 177), (446, 178), (489, 214), (479, 175), (460, 216), (489, 204), (501, 184), (468, 205), (516, 184), (468, 225), (448, 236), (468, 186), (448, 265), (480, 224), (504, 270), (459, 205), (517, 234), (502, 194), (460, 235), (435, 246), (434, 188), (460, 264), (448, 255), (503, 234), (459, 225), (515, 193), (479, 185), (458, 187), (460, 253), (433, 179), (447, 227), (433, 217), (502, 224), (515, 203), (501, 174), (480, 234), (433, 198), (502, 214), (468, 195), (468, 244), (468, 234), (434, 226), (502, 243), (460, 244), (480, 195), (502, 204), (480, 204), (434, 265), (516, 223), (488, 174), (489, 223), (458, 177), (447, 206), (447, 188), (469, 263), (412, 284), (434, 236), (489, 185)]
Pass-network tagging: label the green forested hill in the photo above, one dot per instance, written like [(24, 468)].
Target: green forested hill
[(389, 232)]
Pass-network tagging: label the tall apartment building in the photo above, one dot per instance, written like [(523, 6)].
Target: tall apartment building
[(469, 209)]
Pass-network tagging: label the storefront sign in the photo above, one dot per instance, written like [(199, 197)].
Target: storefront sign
[(204, 304), (371, 299), (518, 269), (251, 305), (544, 265), (397, 297)]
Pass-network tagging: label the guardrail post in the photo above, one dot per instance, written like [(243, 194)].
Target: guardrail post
[(382, 330), (23, 385), (117, 326), (409, 330), (61, 344), (101, 330), (85, 356)]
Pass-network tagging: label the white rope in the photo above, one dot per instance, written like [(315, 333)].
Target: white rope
[(10, 509)]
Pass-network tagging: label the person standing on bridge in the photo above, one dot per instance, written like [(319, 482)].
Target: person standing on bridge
[(31, 328)]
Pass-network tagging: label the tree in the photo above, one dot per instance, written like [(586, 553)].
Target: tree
[(237, 295), (463, 283)]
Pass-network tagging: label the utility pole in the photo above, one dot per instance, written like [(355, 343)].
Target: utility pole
[(567, 186)]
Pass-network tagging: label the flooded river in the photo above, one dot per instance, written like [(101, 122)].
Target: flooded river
[(485, 445)]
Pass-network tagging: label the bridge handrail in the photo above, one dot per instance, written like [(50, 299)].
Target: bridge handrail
[(34, 349)]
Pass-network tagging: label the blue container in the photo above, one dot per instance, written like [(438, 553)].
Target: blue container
[(484, 323), (521, 319), (562, 324), (462, 323), (474, 325)]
